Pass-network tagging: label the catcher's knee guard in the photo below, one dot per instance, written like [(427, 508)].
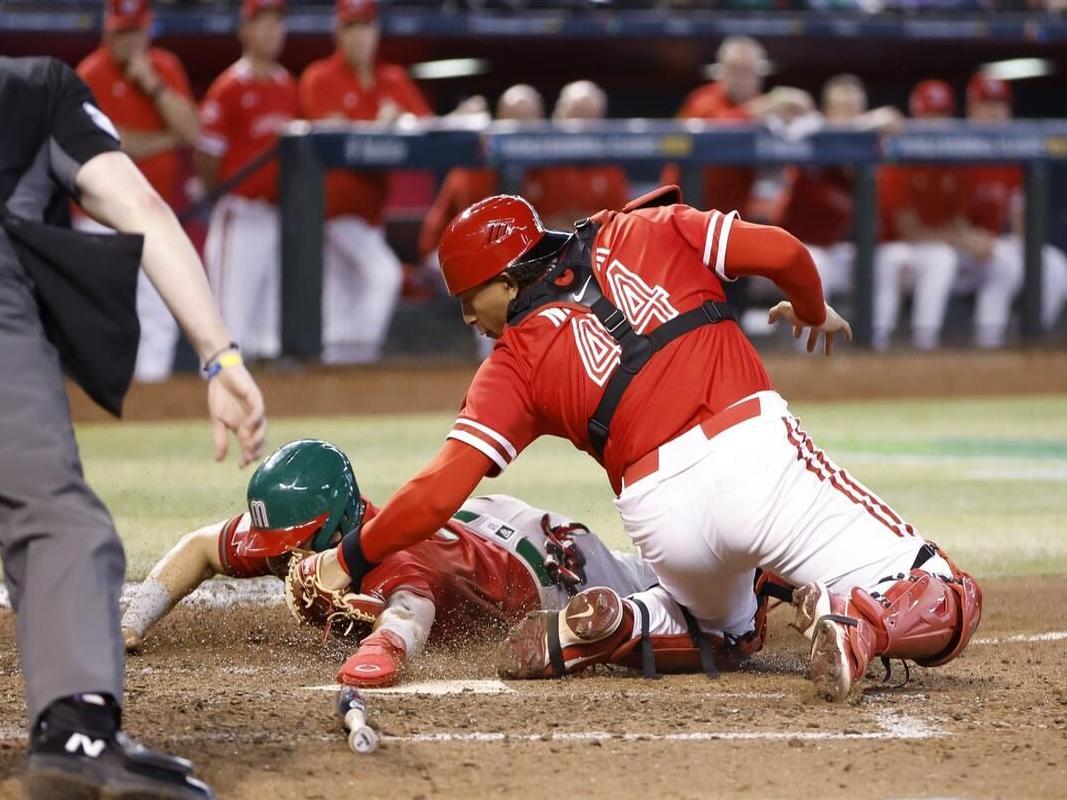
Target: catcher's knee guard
[(924, 618)]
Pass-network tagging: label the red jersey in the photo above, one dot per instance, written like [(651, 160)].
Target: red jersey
[(461, 188), (724, 187), (936, 194), (331, 88), (819, 211), (547, 374), (128, 107), (240, 118), (456, 568), (993, 189), (563, 195)]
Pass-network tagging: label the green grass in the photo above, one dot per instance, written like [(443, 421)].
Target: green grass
[(986, 479)]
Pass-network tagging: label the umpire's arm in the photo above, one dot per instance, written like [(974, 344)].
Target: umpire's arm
[(84, 158)]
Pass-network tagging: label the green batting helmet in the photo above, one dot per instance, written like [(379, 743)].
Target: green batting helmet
[(302, 495)]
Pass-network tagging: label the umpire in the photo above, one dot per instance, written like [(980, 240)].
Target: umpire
[(67, 304)]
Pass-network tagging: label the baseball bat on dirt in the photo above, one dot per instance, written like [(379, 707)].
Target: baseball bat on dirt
[(352, 709)]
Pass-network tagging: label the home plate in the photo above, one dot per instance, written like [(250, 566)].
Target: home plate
[(430, 688)]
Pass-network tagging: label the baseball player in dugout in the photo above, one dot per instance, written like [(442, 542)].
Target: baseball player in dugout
[(932, 247), (563, 194), (819, 206), (494, 561), (67, 303), (145, 92), (736, 95), (996, 208), (615, 336), (240, 119), (465, 186), (361, 274)]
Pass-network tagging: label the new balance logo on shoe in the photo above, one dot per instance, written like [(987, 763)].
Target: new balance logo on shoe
[(91, 747)]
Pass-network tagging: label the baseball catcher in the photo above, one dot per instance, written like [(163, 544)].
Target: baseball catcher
[(496, 560), (616, 336)]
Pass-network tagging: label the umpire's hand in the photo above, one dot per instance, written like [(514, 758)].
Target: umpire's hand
[(235, 403)]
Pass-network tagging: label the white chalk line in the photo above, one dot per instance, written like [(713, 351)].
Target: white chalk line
[(216, 593), (890, 726), (435, 688), (1050, 636)]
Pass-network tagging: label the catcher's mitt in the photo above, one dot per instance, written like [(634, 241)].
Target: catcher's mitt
[(341, 612)]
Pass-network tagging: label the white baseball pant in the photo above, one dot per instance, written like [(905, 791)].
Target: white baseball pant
[(361, 283), (243, 260), (928, 269), (834, 264), (159, 330), (760, 494), (1000, 279)]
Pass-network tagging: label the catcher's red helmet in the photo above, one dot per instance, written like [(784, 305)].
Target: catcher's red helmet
[(490, 236)]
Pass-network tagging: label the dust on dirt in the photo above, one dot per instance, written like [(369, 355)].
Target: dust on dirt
[(224, 687)]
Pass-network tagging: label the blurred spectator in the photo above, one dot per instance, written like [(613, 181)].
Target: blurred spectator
[(923, 216), (464, 186), (145, 92), (361, 274), (736, 96), (819, 208), (241, 117), (996, 210), (564, 194)]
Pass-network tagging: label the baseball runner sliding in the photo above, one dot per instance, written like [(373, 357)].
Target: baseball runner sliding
[(494, 561)]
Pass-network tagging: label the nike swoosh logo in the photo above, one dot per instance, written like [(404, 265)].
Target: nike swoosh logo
[(579, 295), (589, 611)]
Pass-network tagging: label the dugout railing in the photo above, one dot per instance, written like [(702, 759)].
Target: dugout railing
[(308, 150)]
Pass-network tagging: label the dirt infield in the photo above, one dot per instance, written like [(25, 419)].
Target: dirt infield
[(223, 687), (419, 386)]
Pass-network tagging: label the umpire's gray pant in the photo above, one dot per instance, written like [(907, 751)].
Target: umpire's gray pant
[(63, 561)]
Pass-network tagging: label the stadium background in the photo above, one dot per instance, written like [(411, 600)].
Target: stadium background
[(971, 446)]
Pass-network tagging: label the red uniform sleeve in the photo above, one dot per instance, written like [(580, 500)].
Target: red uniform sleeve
[(215, 123), (234, 565), (407, 95), (497, 417), (440, 214), (425, 503), (313, 93), (172, 73), (732, 248)]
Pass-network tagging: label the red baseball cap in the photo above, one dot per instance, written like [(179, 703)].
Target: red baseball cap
[(932, 97), (124, 15), (982, 88), (249, 8), (349, 11)]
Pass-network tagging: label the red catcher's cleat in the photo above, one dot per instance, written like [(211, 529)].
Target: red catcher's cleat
[(549, 644), (376, 663)]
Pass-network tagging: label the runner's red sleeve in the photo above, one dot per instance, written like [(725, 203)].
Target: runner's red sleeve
[(425, 503)]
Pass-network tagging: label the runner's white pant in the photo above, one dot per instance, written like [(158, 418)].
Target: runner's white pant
[(159, 331), (360, 286), (928, 270), (760, 494), (243, 260)]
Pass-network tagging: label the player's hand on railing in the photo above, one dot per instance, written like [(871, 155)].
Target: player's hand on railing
[(236, 404), (833, 325)]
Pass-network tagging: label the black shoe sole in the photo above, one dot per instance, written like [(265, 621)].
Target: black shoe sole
[(57, 778)]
